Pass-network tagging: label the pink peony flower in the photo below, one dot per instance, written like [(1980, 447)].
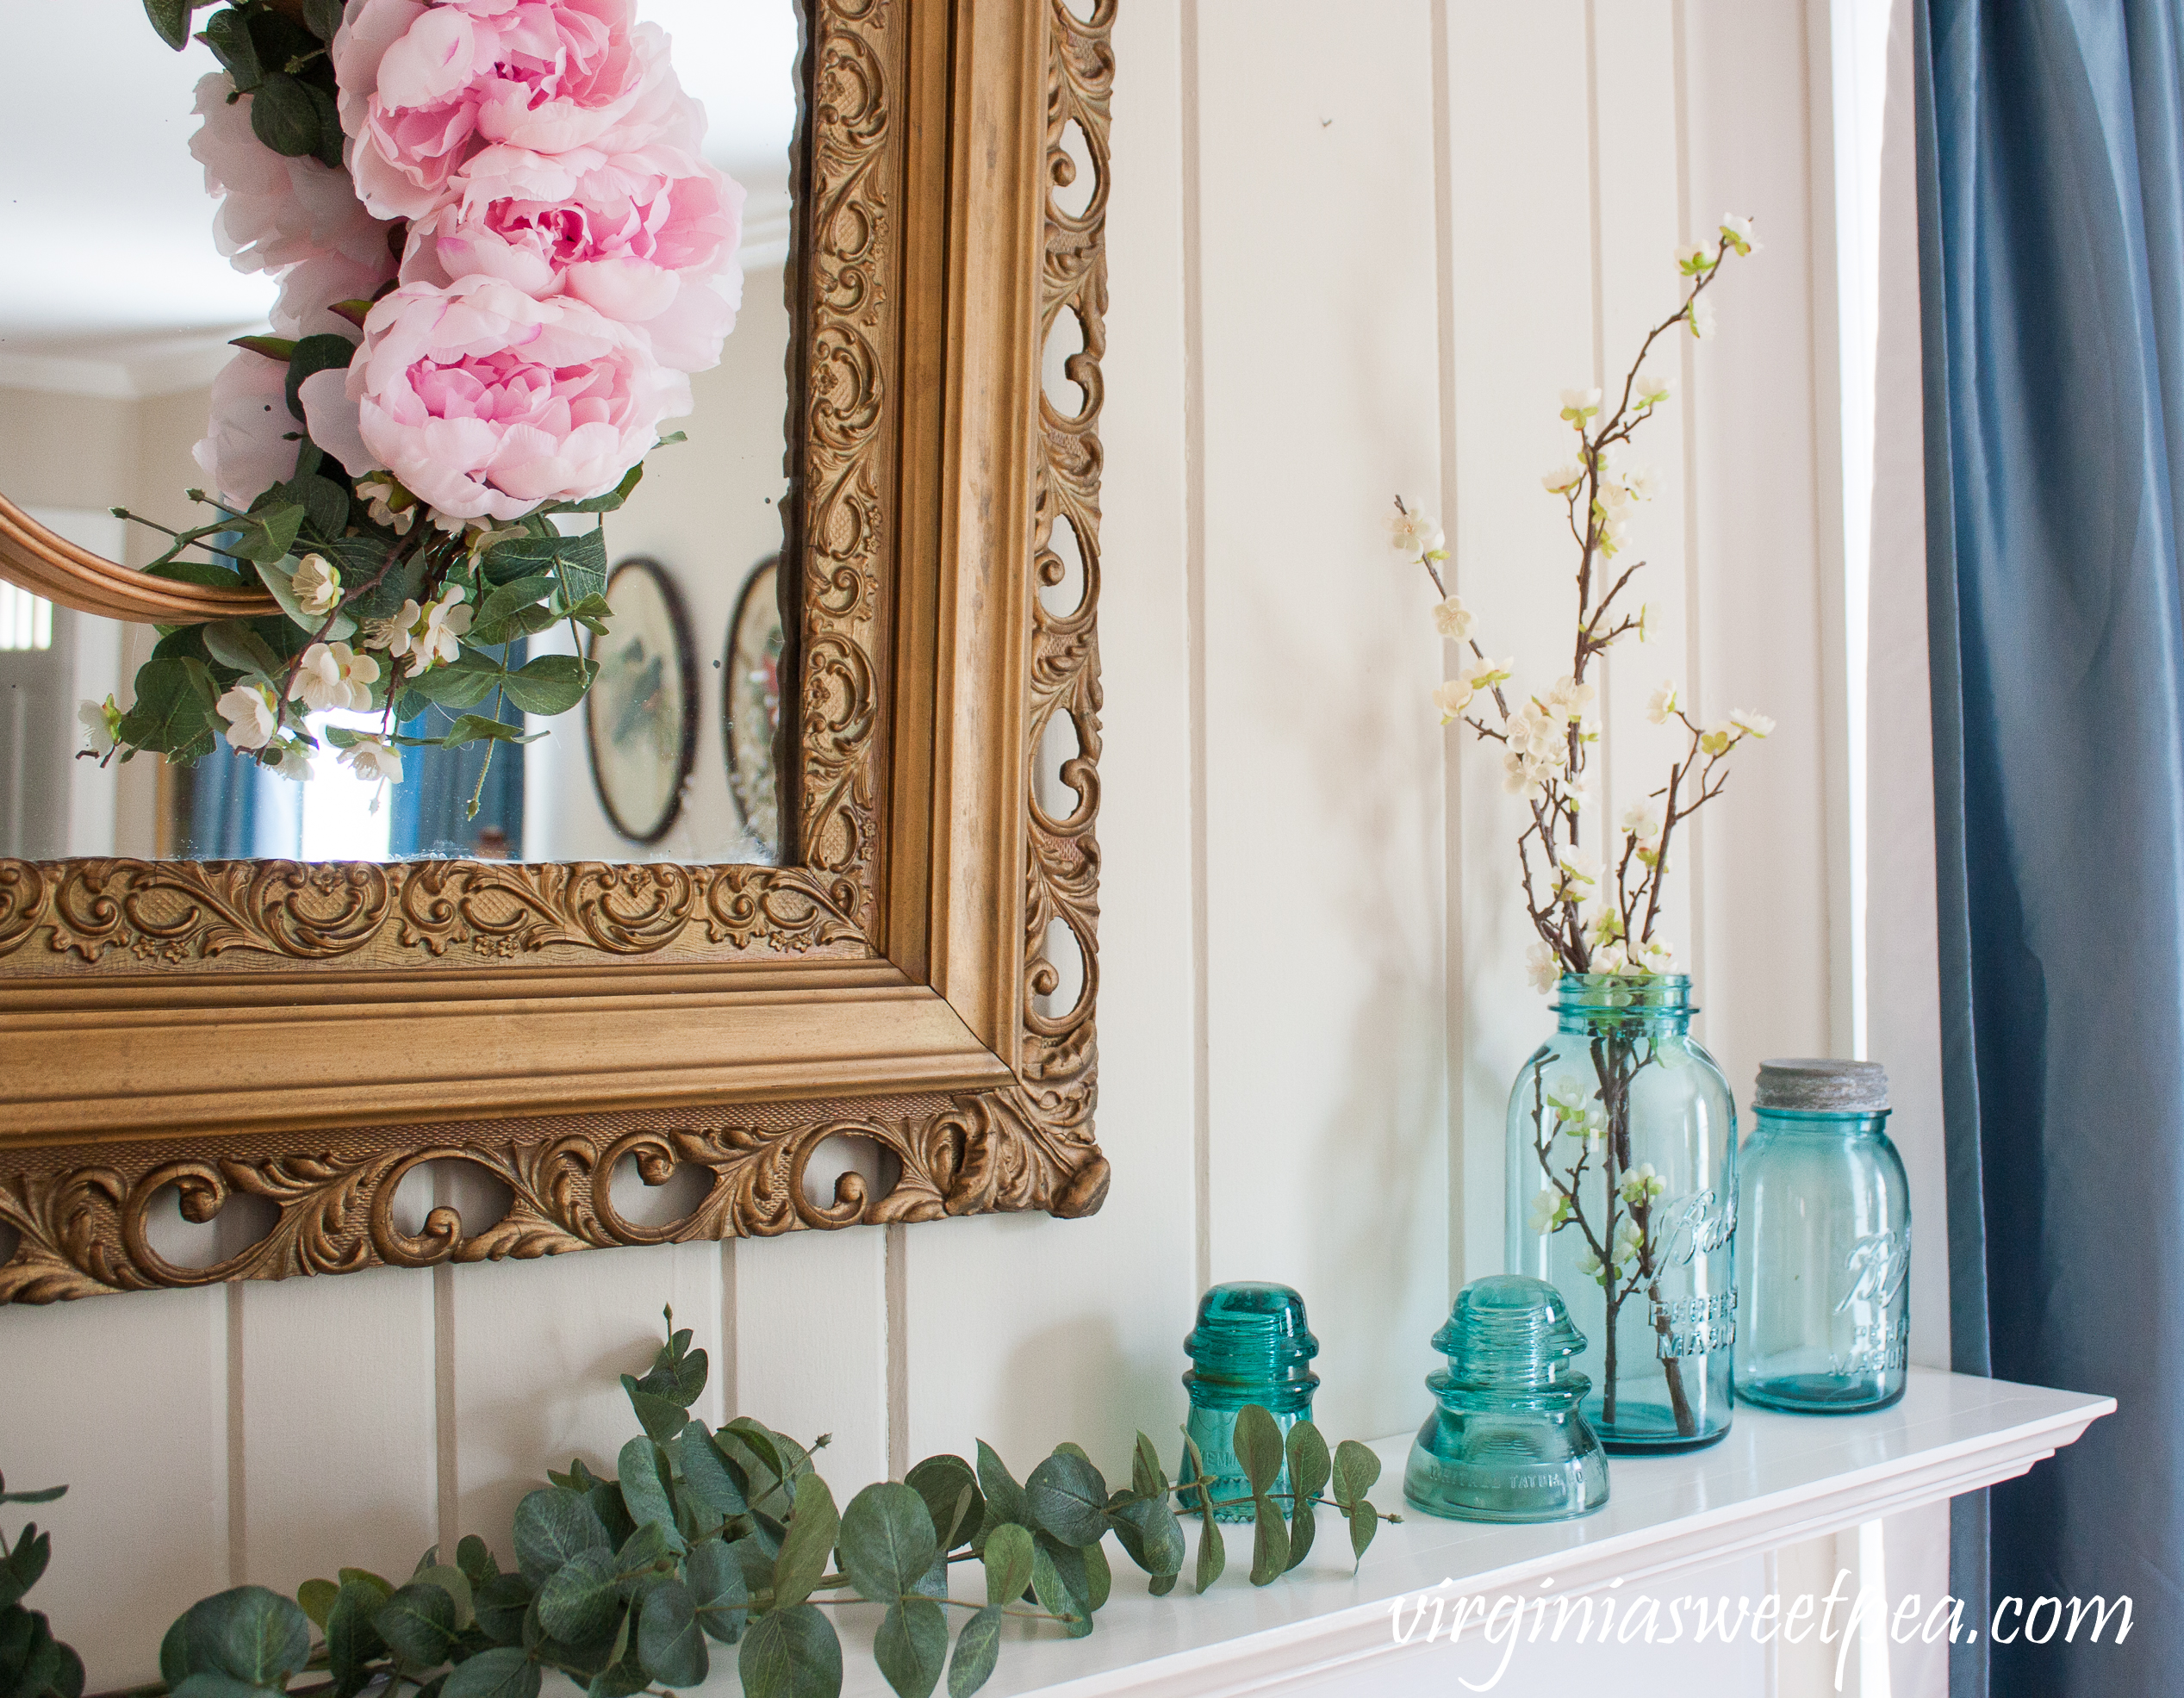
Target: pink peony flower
[(276, 211), (249, 450), (486, 402), (639, 236), (424, 88)]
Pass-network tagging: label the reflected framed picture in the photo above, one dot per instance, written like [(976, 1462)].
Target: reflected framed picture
[(641, 717), (751, 703)]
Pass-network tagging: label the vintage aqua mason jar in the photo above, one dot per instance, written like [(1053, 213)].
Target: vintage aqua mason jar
[(1622, 1194), (1823, 1249)]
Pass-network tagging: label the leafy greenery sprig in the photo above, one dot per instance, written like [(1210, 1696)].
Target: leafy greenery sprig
[(703, 1537), (33, 1664)]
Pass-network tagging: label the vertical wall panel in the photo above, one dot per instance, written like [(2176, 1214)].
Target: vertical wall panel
[(534, 1350), (124, 1401), (1520, 169), (811, 1345), (1325, 905), (336, 1393)]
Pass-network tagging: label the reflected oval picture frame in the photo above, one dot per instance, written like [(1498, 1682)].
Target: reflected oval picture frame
[(750, 697), (641, 717)]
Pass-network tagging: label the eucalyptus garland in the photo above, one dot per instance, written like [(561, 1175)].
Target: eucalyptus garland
[(732, 1537)]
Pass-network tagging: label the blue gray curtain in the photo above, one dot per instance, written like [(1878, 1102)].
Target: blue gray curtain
[(2052, 216), (430, 804)]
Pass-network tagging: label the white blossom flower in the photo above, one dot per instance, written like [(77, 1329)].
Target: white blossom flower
[(1588, 1265), (1611, 958), (1485, 673), (1700, 320), (1645, 621), (1412, 532), (425, 635), (1643, 483), (389, 503), (1570, 699), (1737, 231), (1452, 696), (1661, 707), (1652, 956), (1629, 1240), (1549, 1209), (317, 585), (1579, 405), (1694, 258), (1563, 479), (374, 757), (1642, 1184), (1542, 968), (251, 715), (1652, 391), (1642, 820), (1453, 620), (102, 725), (1752, 724), (1577, 876), (392, 633), (333, 675), (292, 761), (1538, 733), (1521, 776)]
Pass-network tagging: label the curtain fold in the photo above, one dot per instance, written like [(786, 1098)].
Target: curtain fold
[(2051, 214)]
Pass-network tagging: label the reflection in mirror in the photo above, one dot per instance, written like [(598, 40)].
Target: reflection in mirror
[(112, 328)]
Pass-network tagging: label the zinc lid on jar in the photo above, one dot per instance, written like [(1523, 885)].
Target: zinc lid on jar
[(1815, 1085), (1509, 1332), (1251, 1334)]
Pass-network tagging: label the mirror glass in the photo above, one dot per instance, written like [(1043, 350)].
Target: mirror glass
[(114, 323)]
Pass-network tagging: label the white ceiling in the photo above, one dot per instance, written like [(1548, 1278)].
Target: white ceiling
[(109, 255)]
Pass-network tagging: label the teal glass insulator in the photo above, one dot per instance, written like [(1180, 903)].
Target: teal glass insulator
[(1251, 1345), (1823, 1243), (1510, 1441), (1622, 1194)]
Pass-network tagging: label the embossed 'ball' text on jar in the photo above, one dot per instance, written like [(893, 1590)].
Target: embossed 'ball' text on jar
[(1622, 1194)]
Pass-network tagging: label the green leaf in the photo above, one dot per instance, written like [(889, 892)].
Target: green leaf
[(318, 1598), (1009, 1553), (502, 1603), (171, 19), (886, 1541), (552, 1525), (218, 1686), (1060, 1583), (228, 34), (504, 1672), (668, 1639), (978, 1647), (1150, 1533), (791, 1653), (1213, 1552), (232, 642), (1365, 1521), (418, 1623), (499, 603), (351, 1641), (279, 578), (1270, 1541), (577, 564), (626, 1677), (475, 1557), (579, 1599), (474, 727), (1099, 1577), (1066, 1495), (1202, 1491), (314, 354), (1355, 1470), (610, 501), (1147, 1477), (251, 1634), (273, 347), (19, 1570), (941, 1481), (1161, 1584), (285, 117), (267, 536), (716, 1581), (1309, 1470), (550, 684), (1259, 1446), (643, 1469), (704, 1474), (322, 18), (911, 1644), (810, 1540), (660, 1419), (46, 1494), (1004, 1496)]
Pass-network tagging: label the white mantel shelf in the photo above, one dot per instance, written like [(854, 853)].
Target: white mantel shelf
[(1775, 1480)]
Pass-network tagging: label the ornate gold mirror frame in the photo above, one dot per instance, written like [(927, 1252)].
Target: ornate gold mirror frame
[(309, 1033)]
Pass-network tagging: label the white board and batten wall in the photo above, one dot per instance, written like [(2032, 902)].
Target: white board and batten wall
[(1349, 256)]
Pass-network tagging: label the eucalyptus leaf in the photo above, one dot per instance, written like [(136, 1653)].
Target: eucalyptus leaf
[(705, 1471), (716, 1590), (1356, 1468), (474, 727), (1099, 1577), (886, 1541), (1058, 1580), (642, 1468), (809, 1542), (171, 19), (503, 1603), (646, 1554), (1213, 1552), (452, 1581), (210, 1685), (910, 1645), (977, 1649), (1365, 1522), (475, 1557), (317, 1597), (941, 1481), (249, 1633), (1066, 1497), (1147, 1477), (791, 1653), (661, 1419), (1004, 1496), (351, 1641), (1309, 1472), (552, 1526), (1259, 1446), (1270, 1541), (1150, 1533), (506, 1672), (580, 1598), (19, 1570), (1008, 1558), (44, 1495), (670, 1642), (418, 1624)]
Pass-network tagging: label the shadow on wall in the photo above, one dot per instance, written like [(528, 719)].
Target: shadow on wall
[(1079, 1365)]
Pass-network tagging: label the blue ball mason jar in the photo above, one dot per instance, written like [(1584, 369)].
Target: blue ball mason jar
[(1824, 1244), (1622, 1194)]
